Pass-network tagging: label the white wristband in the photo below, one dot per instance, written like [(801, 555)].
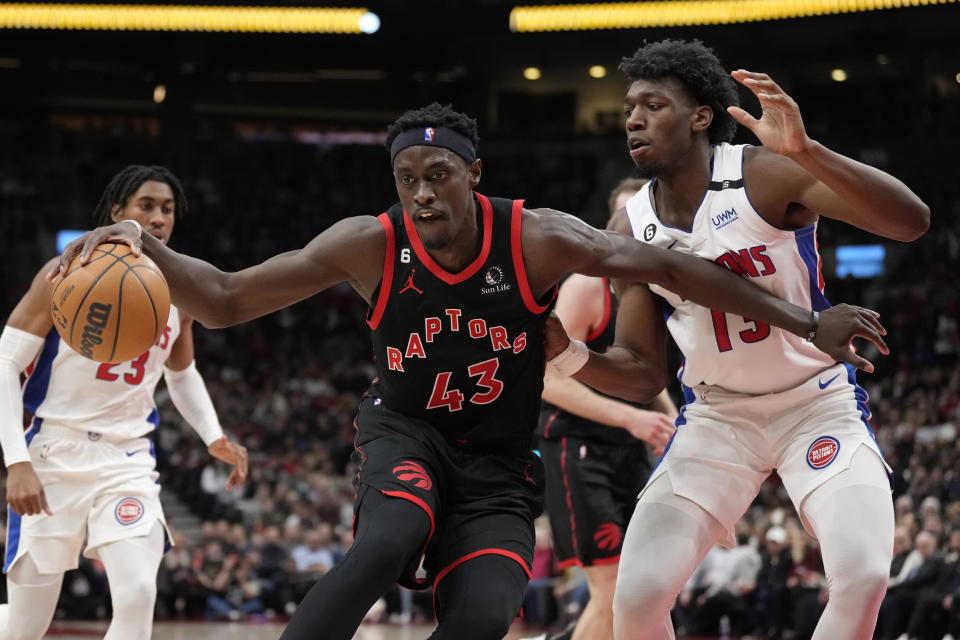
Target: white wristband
[(571, 359), (135, 224)]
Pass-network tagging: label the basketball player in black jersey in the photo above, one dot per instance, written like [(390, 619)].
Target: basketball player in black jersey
[(444, 433), (595, 450)]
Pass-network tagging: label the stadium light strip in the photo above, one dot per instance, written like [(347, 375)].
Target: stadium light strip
[(145, 17), (675, 13)]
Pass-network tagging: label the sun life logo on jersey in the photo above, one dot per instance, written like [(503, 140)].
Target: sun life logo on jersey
[(428, 134), (721, 220), (823, 452), (494, 278), (128, 511)]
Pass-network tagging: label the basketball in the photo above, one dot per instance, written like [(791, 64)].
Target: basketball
[(113, 308)]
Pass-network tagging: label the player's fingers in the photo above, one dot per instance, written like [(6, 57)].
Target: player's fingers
[(134, 244), (742, 117), (871, 317), (871, 334), (44, 505), (860, 363)]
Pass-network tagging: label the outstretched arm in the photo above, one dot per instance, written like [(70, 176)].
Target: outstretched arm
[(792, 169), (607, 253), (349, 251)]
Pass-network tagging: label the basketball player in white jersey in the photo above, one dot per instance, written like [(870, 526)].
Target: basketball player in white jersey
[(757, 398), (85, 471)]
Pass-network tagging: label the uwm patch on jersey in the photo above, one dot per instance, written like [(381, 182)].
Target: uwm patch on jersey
[(462, 351), (739, 354)]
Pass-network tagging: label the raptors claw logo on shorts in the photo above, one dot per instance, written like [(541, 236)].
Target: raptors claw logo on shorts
[(822, 452), (413, 473), (128, 511), (608, 536)]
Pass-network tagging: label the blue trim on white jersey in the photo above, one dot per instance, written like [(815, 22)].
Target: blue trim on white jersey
[(154, 418), (862, 397), (35, 390), (13, 519), (807, 246)]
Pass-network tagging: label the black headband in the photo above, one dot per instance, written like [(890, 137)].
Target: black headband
[(434, 137)]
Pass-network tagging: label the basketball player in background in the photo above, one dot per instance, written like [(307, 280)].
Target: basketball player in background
[(757, 398), (593, 449), (85, 470), (459, 287)]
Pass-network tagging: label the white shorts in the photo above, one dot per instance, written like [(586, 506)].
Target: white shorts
[(99, 492), (727, 443)]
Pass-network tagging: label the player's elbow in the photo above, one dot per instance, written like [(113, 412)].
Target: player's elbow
[(641, 389)]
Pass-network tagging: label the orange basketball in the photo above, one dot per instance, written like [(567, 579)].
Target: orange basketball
[(113, 308)]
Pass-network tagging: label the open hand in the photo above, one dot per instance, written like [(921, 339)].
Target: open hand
[(25, 493), (839, 325), (233, 454), (780, 127), (652, 427), (84, 245)]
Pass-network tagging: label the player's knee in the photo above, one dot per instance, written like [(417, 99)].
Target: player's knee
[(135, 598), (488, 620), (862, 585)]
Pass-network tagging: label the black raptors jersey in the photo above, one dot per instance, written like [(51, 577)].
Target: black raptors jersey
[(462, 351), (557, 423)]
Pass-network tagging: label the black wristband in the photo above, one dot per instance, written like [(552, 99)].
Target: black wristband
[(814, 325)]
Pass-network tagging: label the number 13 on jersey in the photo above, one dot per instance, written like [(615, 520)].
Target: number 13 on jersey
[(748, 336)]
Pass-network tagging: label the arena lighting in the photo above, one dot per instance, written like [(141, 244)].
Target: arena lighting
[(531, 73), (838, 75), (598, 71), (672, 13), (159, 93), (146, 17)]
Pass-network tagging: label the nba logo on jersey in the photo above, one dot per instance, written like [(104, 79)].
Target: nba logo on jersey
[(128, 511), (822, 452), (428, 134)]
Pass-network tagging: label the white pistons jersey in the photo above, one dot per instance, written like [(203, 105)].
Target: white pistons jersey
[(113, 400), (721, 349)]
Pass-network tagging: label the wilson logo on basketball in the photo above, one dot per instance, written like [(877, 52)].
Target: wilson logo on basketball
[(822, 452), (98, 314), (128, 511), (413, 473), (608, 536)]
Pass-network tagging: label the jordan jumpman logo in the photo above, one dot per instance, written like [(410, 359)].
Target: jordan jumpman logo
[(409, 284)]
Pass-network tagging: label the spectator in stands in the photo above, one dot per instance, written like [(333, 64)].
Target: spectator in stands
[(773, 596), (900, 599)]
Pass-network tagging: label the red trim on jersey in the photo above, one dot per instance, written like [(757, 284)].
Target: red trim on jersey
[(611, 560), (572, 562), (386, 282), (431, 264), (598, 331), (516, 247), (569, 497), (553, 418), (420, 503), (470, 556), (816, 246)]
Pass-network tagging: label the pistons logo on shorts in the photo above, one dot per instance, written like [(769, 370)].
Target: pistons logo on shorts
[(128, 511), (414, 473), (823, 452)]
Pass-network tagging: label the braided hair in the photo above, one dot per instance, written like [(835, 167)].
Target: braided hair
[(125, 184)]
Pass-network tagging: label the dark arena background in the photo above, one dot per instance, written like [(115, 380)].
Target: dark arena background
[(278, 135)]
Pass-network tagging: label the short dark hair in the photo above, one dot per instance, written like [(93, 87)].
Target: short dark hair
[(125, 184), (697, 67), (434, 115), (627, 184)]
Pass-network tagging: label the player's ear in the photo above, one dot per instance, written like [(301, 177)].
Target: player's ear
[(115, 212), (474, 169), (701, 118)]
